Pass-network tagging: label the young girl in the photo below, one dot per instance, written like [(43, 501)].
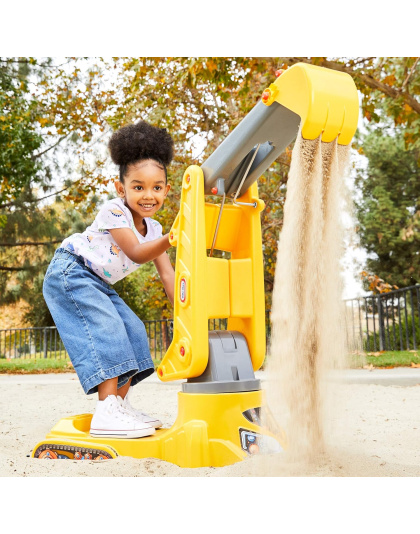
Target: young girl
[(106, 341)]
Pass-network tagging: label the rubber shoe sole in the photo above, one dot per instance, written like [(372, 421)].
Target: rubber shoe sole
[(122, 434), (156, 423)]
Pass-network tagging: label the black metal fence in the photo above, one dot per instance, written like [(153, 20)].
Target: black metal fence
[(388, 321), (40, 342), (45, 342)]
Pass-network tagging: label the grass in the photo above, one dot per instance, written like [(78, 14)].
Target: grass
[(23, 366), (34, 366), (385, 359), (359, 360)]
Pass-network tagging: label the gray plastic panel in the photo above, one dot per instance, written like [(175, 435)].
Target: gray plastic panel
[(274, 127), (221, 387), (229, 369)]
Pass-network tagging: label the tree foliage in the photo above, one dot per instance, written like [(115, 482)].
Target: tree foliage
[(389, 209), (19, 138), (32, 237), (376, 285), (69, 109), (45, 130), (143, 291)]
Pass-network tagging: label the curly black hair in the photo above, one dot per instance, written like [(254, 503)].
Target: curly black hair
[(136, 142)]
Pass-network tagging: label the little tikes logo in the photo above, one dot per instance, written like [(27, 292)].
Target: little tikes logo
[(183, 290)]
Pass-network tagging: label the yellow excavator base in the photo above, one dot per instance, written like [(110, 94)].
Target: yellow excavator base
[(211, 430)]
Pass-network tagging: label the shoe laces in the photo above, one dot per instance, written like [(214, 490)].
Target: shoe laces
[(126, 404), (119, 411), (128, 407)]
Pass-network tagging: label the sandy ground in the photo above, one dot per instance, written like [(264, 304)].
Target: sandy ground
[(375, 431)]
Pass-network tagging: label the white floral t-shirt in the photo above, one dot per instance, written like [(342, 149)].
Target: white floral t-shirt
[(100, 252)]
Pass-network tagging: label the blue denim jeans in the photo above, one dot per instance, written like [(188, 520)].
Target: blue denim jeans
[(102, 335)]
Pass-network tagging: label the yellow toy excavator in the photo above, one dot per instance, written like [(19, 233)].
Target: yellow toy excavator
[(219, 407)]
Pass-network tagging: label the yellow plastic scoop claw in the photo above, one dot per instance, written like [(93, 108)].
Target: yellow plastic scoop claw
[(326, 100)]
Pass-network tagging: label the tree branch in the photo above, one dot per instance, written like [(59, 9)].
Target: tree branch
[(362, 60), (35, 156), (410, 73), (15, 268), (26, 62), (2, 206)]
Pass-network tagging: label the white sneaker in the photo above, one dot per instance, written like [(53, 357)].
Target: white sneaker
[(112, 421), (140, 416)]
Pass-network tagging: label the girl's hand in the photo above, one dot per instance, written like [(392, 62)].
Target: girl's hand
[(167, 275), (139, 252)]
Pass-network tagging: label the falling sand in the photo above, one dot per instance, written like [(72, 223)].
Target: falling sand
[(308, 334)]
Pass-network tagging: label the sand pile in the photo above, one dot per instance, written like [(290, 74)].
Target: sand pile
[(378, 432)]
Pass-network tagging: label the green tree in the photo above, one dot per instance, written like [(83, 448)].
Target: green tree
[(32, 237), (19, 138), (389, 208), (144, 293), (50, 116)]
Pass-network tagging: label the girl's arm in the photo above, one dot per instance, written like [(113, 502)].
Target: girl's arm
[(139, 252), (167, 275)]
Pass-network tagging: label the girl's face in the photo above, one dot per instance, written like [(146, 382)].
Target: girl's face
[(144, 188)]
